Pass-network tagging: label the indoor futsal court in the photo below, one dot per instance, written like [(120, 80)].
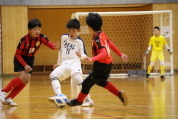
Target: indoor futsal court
[(148, 99), (129, 25)]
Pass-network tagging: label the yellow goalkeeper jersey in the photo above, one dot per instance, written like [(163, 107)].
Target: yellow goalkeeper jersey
[(157, 43)]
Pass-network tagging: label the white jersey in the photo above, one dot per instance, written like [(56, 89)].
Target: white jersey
[(68, 49)]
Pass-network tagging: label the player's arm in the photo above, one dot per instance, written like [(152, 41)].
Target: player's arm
[(59, 59), (18, 55), (165, 43), (148, 50), (116, 50), (46, 42), (149, 46), (82, 51), (18, 52)]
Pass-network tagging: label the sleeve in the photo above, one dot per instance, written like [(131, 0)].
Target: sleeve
[(164, 41), (102, 55), (59, 60), (150, 42), (114, 48), (18, 52), (82, 50), (46, 42)]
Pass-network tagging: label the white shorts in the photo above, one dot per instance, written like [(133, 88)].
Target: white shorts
[(67, 70)]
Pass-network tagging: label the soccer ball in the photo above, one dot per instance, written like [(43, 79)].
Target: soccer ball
[(60, 100)]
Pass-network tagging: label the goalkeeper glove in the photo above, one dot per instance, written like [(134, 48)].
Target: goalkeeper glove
[(169, 51)]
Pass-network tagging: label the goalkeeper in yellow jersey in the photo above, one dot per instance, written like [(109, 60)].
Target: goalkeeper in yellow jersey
[(157, 43)]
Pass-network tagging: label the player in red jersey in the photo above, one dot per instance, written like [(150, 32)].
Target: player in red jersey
[(102, 62), (24, 60)]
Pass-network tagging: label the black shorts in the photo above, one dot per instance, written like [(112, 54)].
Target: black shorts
[(101, 71), (18, 67)]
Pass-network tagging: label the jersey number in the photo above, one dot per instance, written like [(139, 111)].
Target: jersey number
[(31, 50)]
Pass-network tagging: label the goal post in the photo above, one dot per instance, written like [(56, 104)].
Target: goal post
[(130, 32)]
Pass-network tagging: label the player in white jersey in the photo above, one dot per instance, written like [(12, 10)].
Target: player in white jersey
[(69, 63)]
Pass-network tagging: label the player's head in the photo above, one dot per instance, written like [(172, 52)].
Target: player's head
[(73, 27), (156, 31), (94, 22), (34, 27)]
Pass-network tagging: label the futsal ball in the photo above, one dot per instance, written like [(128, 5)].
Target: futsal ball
[(60, 100)]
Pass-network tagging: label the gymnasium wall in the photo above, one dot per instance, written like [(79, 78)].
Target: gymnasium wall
[(54, 22), (15, 19), (14, 26)]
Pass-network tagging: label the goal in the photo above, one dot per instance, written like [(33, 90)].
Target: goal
[(130, 32)]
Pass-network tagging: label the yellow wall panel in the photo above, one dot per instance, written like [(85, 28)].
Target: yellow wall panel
[(14, 26)]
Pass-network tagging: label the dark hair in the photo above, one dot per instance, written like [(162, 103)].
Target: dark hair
[(156, 27), (34, 23), (73, 23), (94, 20)]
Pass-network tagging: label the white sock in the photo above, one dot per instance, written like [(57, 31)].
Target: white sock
[(56, 87)]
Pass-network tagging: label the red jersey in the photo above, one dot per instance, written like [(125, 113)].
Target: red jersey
[(29, 46), (101, 48)]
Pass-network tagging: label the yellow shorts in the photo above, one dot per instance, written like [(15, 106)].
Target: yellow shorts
[(157, 54)]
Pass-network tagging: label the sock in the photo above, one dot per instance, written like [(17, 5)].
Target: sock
[(149, 69), (88, 96), (12, 84), (16, 91), (110, 87), (81, 97), (56, 87), (162, 70)]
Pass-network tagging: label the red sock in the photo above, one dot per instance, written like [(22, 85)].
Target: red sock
[(81, 97), (112, 88), (13, 83), (16, 91)]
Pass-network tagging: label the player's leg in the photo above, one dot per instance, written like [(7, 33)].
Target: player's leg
[(18, 81), (15, 87), (114, 90), (86, 86), (152, 61), (162, 67), (78, 79), (56, 76)]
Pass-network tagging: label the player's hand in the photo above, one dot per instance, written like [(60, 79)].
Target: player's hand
[(27, 68), (57, 44), (169, 51), (124, 57), (88, 59), (55, 66), (78, 54)]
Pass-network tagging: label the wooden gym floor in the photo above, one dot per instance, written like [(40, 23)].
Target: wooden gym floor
[(148, 99)]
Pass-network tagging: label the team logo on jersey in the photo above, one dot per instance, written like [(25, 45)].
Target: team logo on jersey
[(37, 43)]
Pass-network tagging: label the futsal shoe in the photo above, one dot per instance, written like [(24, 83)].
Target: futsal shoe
[(162, 77), (123, 98), (73, 102), (10, 102), (2, 97), (51, 99), (147, 75), (88, 103)]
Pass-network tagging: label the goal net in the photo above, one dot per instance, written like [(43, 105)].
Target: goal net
[(130, 32)]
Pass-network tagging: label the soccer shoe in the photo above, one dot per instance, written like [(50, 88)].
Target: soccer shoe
[(10, 102), (51, 99), (88, 103), (123, 98), (73, 102), (2, 97), (147, 75)]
